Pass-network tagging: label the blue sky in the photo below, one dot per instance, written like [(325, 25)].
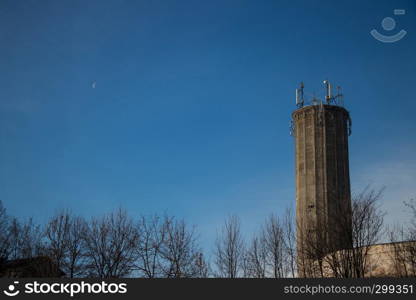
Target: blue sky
[(190, 110)]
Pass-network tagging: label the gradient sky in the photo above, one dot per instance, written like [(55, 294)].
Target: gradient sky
[(191, 102)]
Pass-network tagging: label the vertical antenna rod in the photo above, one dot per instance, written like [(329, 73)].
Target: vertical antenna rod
[(299, 96), (328, 96)]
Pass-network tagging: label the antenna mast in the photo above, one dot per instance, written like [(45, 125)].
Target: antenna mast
[(330, 99), (299, 96), (328, 96)]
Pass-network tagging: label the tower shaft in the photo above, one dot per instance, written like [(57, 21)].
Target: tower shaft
[(323, 197)]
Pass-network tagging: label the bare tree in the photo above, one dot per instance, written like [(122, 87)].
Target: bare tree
[(256, 258), (25, 239), (64, 235), (272, 253), (289, 234), (4, 234), (367, 228), (110, 245), (404, 245), (152, 236), (229, 250), (75, 260), (168, 248), (274, 238), (404, 252), (201, 267), (179, 250), (357, 232), (56, 233)]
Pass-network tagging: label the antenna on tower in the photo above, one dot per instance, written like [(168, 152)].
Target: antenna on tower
[(339, 96), (328, 96), (299, 96)]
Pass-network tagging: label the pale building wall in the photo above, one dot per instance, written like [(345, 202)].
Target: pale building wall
[(384, 260), (323, 198)]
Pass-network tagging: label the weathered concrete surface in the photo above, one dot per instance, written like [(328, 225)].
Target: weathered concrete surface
[(380, 260), (323, 197)]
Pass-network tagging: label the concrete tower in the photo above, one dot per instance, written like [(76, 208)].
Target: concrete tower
[(323, 197)]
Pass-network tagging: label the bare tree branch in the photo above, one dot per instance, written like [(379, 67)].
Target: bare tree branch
[(229, 252)]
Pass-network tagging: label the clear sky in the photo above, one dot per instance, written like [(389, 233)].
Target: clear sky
[(183, 107)]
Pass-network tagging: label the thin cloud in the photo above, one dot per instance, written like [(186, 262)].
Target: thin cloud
[(398, 178), (23, 106)]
